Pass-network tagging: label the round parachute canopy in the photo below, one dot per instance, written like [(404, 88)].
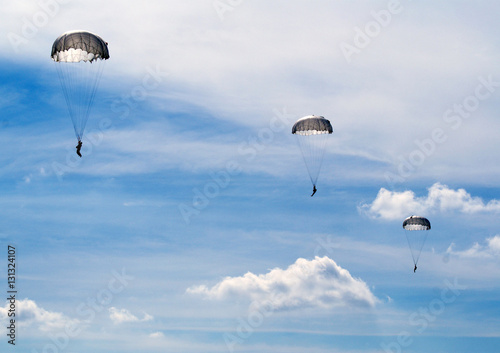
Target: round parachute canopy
[(79, 57), (313, 133), (416, 223), (76, 46), (312, 125)]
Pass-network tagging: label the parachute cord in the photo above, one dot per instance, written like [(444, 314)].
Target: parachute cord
[(60, 68), (302, 147), (93, 90), (409, 246), (422, 245), (79, 82), (312, 148), (417, 245), (84, 97), (321, 152)]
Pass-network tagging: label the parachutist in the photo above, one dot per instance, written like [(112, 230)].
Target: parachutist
[(415, 268), (314, 190), (78, 148)]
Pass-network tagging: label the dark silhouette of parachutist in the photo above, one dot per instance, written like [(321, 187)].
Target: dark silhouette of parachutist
[(415, 269), (78, 148), (314, 190)]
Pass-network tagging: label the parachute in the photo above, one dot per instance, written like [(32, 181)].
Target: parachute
[(79, 57), (312, 133), (416, 230)]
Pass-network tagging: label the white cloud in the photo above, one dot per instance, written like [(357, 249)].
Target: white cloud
[(489, 250), (315, 283), (157, 334), (30, 314), (392, 205), (119, 316)]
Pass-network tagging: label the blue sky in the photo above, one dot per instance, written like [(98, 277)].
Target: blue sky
[(187, 226)]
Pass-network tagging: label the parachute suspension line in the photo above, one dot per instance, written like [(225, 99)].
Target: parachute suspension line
[(416, 240), (302, 148), (320, 145), (67, 96), (79, 82), (70, 78), (91, 76), (409, 246), (82, 84), (97, 78), (312, 147)]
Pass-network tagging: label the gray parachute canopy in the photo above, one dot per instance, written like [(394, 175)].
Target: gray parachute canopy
[(416, 223), (76, 46), (312, 125)]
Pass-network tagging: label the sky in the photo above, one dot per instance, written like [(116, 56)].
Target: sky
[(188, 224)]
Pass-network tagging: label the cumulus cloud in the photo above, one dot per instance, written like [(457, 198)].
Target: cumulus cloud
[(490, 249), (119, 316), (315, 283), (30, 314), (392, 205)]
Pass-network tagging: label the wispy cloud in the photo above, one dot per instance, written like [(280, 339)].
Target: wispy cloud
[(391, 205), (119, 316), (306, 283), (218, 56), (490, 249), (157, 335)]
